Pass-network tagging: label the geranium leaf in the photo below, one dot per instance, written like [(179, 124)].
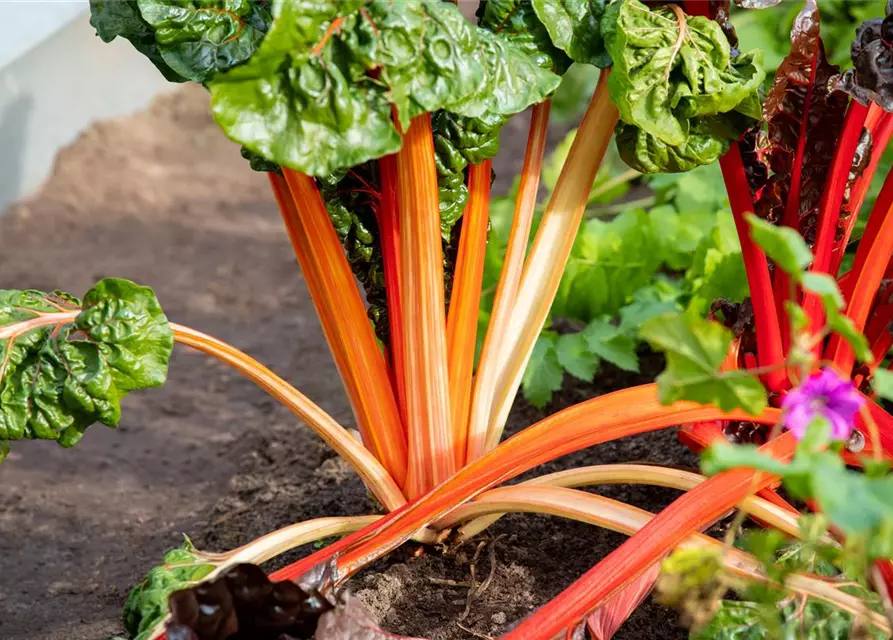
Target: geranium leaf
[(199, 39), (783, 245), (882, 383), (53, 383), (695, 349)]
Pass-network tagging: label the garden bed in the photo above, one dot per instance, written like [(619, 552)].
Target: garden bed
[(164, 199)]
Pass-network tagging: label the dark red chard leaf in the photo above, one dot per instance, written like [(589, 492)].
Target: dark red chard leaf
[(350, 620), (871, 77), (804, 120), (242, 604)]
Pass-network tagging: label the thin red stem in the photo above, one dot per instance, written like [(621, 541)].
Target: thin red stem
[(770, 351), (880, 125), (830, 207), (694, 509), (872, 258)]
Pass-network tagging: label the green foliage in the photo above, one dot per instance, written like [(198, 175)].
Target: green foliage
[(57, 380), (682, 97), (575, 27), (882, 383), (306, 101), (790, 253), (695, 349), (200, 38), (544, 373), (122, 18), (518, 21), (146, 605), (860, 505), (680, 253)]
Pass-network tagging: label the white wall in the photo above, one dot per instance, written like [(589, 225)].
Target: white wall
[(51, 92)]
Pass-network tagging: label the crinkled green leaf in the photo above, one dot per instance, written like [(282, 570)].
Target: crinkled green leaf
[(783, 245), (121, 18), (146, 605), (575, 27), (610, 343), (682, 97), (517, 21), (574, 355), (54, 383), (308, 100), (544, 373), (200, 38), (649, 154), (458, 142), (695, 349)]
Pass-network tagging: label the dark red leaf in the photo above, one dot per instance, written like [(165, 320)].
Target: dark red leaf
[(871, 77), (349, 620)]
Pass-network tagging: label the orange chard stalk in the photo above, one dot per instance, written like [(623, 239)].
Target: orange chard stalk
[(609, 417), (465, 302), (509, 279), (342, 315), (432, 457), (389, 232), (664, 532)]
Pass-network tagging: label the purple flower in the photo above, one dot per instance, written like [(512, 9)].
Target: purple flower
[(824, 395)]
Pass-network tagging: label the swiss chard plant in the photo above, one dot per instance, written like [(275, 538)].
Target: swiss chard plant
[(376, 122)]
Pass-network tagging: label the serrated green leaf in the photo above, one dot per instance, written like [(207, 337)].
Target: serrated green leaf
[(53, 384), (573, 354), (306, 99), (882, 383), (517, 21), (695, 349), (825, 287), (783, 245), (147, 604), (199, 39), (575, 27), (544, 373), (122, 18), (610, 343), (724, 456)]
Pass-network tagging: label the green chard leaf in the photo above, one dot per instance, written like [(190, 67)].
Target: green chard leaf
[(200, 38), (53, 383), (317, 94), (695, 349), (517, 20), (122, 18), (146, 606), (575, 27), (682, 97)]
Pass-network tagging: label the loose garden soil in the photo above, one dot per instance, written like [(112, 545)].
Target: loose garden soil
[(162, 198)]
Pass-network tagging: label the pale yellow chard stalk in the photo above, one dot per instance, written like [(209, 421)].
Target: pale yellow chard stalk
[(509, 279), (633, 474), (549, 254)]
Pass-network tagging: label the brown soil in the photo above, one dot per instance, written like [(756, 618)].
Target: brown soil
[(164, 199)]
